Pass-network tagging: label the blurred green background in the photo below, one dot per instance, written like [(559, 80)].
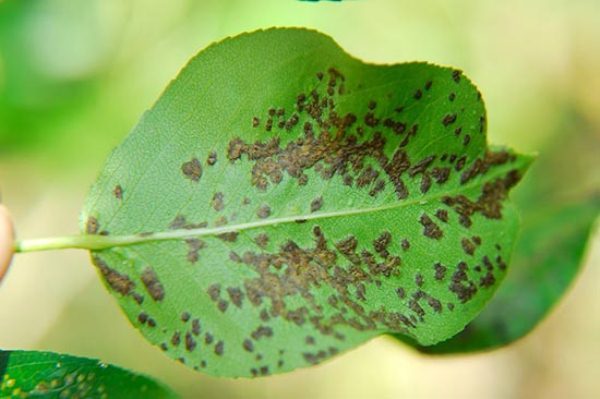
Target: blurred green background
[(75, 75)]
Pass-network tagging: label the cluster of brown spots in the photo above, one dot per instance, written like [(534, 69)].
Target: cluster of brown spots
[(192, 170), (214, 292), (294, 271), (262, 332), (144, 319), (194, 247), (461, 286), (320, 356), (430, 229), (440, 271), (328, 152), (481, 165), (180, 222), (152, 284), (381, 243), (489, 203), (316, 204), (118, 192), (217, 201), (120, 283), (264, 211)]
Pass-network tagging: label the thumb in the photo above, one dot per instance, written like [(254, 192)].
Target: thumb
[(6, 240)]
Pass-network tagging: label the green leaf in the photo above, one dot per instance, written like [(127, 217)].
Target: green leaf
[(546, 260), (283, 202), (30, 374)]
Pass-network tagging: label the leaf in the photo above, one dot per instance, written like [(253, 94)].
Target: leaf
[(283, 202), (547, 258), (30, 374)]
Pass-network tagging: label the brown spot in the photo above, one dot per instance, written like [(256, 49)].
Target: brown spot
[(405, 244), (212, 158), (120, 283), (196, 327), (449, 119), (185, 316), (219, 348), (118, 192), (228, 237), (262, 240), (236, 296), (194, 247), (442, 214), (152, 284), (190, 342), (217, 201), (456, 74), (176, 338), (263, 212), (255, 122), (430, 229), (91, 225), (208, 338), (192, 170), (418, 94), (440, 271), (248, 345), (419, 280), (468, 246), (316, 204), (143, 318), (262, 331), (222, 305)]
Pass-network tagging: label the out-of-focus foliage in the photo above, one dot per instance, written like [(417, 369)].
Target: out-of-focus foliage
[(46, 375)]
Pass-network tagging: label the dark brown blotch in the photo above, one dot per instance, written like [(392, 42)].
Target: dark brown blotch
[(152, 284), (192, 170)]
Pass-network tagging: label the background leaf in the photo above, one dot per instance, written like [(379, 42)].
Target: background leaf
[(547, 258), (29, 374), (283, 202)]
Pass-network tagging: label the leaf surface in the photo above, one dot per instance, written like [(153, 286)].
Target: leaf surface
[(547, 258), (283, 202), (30, 374)]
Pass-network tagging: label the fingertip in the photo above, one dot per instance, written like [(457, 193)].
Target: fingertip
[(6, 240)]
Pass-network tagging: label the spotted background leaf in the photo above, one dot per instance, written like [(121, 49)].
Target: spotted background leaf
[(30, 374), (547, 258), (283, 202)]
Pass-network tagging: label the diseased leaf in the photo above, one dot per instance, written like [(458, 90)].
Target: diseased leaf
[(547, 258), (283, 202), (30, 374)]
